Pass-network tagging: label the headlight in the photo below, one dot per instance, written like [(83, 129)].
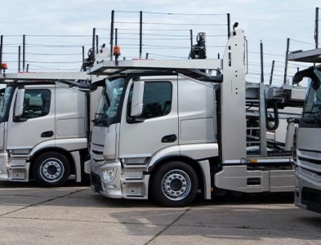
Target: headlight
[(109, 174)]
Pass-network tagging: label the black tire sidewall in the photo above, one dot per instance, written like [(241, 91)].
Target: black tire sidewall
[(43, 157), (156, 189)]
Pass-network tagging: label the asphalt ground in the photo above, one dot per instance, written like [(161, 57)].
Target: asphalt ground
[(74, 215)]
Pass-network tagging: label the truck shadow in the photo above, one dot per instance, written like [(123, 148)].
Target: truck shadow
[(230, 218), (72, 190)]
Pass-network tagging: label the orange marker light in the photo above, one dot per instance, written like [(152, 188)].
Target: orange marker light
[(253, 161), (116, 51), (4, 66)]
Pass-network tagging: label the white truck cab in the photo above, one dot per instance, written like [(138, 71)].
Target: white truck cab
[(44, 127)]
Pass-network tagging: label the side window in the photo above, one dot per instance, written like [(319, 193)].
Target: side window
[(36, 103), (157, 100)]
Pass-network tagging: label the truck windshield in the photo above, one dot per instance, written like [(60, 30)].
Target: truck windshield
[(108, 107), (5, 97), (312, 104), (313, 98)]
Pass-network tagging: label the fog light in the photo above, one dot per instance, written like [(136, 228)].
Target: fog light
[(113, 186), (109, 175)]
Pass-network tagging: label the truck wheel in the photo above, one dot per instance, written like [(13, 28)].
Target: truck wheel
[(174, 184), (51, 169)]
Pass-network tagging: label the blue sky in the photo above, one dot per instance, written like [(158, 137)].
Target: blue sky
[(70, 24)]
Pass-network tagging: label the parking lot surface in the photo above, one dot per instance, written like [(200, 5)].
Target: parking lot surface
[(74, 215)]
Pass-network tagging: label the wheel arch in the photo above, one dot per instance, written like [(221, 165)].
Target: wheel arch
[(74, 149)]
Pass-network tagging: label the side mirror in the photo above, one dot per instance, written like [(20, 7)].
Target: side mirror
[(297, 78), (137, 99), (18, 109)]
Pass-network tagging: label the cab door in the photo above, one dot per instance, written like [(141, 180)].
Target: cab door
[(157, 127), (36, 124)]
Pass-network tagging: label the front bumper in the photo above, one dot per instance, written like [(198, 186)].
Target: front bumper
[(98, 184), (4, 175), (129, 181), (13, 169), (307, 190)]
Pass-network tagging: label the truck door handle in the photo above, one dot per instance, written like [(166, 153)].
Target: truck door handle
[(169, 138), (47, 134)]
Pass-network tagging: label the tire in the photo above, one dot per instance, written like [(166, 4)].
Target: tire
[(51, 169), (174, 184)]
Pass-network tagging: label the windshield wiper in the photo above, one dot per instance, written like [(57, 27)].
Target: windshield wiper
[(316, 117), (307, 112), (100, 118)]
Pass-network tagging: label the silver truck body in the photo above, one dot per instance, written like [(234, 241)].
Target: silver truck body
[(172, 127)]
